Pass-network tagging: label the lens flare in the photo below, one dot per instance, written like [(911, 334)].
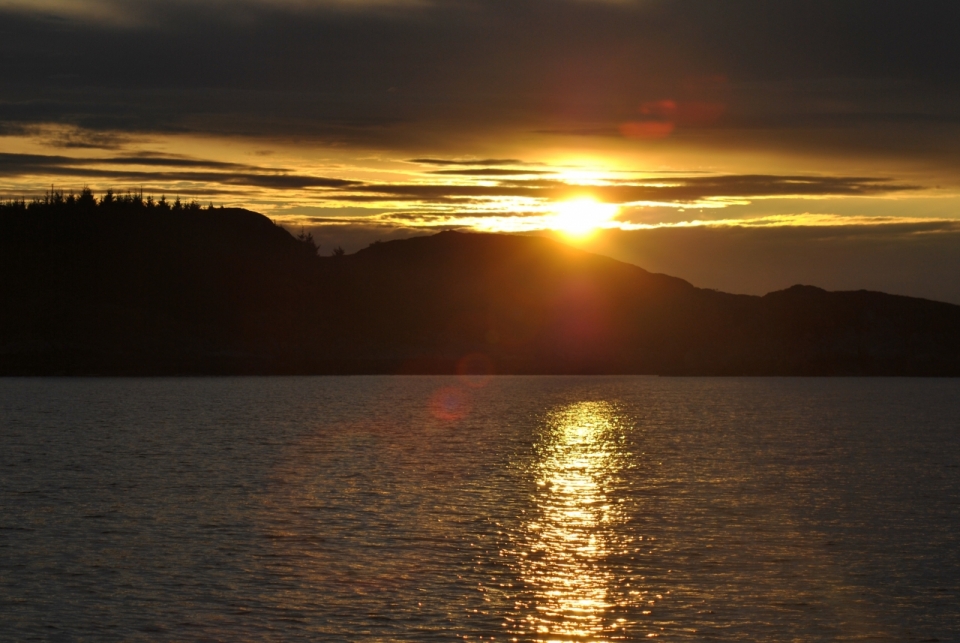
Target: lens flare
[(450, 403)]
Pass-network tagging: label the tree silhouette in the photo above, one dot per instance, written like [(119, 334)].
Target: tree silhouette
[(58, 201), (309, 245)]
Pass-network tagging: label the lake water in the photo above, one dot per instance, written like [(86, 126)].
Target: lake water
[(507, 509)]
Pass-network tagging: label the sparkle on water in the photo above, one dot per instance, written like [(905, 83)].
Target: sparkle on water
[(571, 537)]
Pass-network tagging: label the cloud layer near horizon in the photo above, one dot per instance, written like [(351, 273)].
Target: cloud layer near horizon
[(433, 185)]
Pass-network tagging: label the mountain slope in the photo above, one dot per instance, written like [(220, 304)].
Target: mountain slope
[(144, 290), (533, 305)]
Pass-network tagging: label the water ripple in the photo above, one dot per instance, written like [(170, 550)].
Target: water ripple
[(521, 508)]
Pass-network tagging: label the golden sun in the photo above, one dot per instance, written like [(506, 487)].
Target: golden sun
[(582, 217)]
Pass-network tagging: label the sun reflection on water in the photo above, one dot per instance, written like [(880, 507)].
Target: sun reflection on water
[(567, 544)]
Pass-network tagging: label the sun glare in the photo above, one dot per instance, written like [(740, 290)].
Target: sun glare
[(581, 217)]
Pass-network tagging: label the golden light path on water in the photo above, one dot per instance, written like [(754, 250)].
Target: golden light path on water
[(572, 532)]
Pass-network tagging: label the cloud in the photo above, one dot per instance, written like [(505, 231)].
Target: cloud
[(491, 172), (468, 162), (21, 163), (675, 189), (96, 11), (219, 173), (861, 76), (122, 14), (75, 137), (478, 191)]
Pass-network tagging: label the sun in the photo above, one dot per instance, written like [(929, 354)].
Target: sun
[(581, 217)]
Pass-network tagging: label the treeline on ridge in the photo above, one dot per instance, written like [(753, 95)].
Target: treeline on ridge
[(60, 200), (126, 283)]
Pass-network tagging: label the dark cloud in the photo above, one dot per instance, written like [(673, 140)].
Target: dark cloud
[(168, 161), (860, 75), (492, 171), (478, 162), (65, 137), (30, 162), (677, 189), (18, 165), (91, 140), (757, 185)]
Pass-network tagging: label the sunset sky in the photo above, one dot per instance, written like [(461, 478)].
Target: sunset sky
[(742, 145)]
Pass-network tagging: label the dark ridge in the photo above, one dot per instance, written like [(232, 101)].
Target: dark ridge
[(124, 285)]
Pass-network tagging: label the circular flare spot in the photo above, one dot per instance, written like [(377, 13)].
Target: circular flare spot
[(450, 403)]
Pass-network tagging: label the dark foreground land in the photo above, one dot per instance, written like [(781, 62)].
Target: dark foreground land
[(126, 287)]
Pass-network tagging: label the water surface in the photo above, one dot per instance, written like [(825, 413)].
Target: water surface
[(514, 508)]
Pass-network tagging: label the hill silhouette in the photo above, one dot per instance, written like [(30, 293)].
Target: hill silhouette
[(128, 286)]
